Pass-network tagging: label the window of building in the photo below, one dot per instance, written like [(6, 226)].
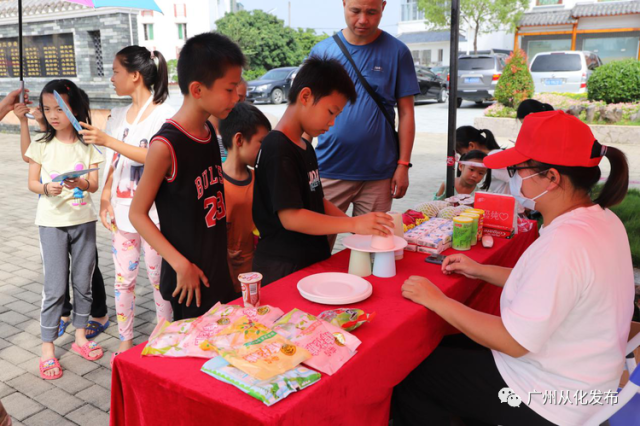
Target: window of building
[(180, 10), (440, 55), (182, 31), (148, 31), (147, 13), (409, 10), (548, 2), (97, 68), (611, 49), (538, 46)]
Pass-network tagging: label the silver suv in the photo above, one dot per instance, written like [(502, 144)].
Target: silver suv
[(478, 76), (566, 71)]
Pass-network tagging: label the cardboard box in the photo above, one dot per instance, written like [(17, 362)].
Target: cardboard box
[(499, 210)]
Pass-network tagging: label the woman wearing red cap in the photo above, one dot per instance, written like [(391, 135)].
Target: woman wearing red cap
[(556, 354)]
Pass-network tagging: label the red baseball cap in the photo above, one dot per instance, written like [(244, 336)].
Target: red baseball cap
[(551, 137)]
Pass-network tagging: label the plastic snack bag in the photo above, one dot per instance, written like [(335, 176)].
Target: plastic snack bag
[(268, 391), (189, 337), (330, 346), (257, 350), (347, 319)]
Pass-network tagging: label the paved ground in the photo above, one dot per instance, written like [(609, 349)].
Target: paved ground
[(82, 395)]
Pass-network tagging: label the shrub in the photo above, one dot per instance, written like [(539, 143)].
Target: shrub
[(515, 84), (254, 74), (615, 82)]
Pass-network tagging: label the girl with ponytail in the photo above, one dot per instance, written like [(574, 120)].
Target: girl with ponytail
[(468, 139), (143, 76), (566, 306)]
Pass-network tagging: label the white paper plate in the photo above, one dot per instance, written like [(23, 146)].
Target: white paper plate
[(334, 288), (363, 243)]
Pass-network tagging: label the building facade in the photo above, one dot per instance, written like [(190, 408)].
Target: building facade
[(181, 19), (64, 40), (431, 48), (610, 29)]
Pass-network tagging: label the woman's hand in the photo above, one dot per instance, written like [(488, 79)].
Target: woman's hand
[(93, 135), (461, 264), (106, 209), (423, 292)]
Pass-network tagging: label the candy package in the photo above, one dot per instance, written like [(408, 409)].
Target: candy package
[(268, 391), (257, 350), (330, 346), (347, 319), (186, 337)]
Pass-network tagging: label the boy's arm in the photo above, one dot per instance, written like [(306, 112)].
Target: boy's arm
[(332, 210), (312, 223), (156, 168)]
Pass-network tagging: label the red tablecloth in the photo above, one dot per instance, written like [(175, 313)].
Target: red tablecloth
[(162, 391)]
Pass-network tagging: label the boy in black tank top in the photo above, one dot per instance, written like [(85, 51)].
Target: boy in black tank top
[(183, 176), (289, 207)]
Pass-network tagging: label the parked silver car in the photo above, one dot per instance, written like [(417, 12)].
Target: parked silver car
[(566, 71), (478, 76)]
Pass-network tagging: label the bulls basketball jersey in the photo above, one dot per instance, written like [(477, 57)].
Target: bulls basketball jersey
[(192, 212)]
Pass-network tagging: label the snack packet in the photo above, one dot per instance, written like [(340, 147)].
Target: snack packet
[(347, 319), (189, 337), (330, 346), (257, 350), (268, 391)]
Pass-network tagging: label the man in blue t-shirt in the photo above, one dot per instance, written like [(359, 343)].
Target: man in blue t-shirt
[(359, 159)]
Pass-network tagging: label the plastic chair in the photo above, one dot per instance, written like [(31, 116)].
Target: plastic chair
[(627, 411)]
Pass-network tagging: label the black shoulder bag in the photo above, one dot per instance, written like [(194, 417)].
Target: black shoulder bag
[(369, 89)]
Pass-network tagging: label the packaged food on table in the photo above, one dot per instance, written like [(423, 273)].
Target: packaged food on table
[(331, 347), (430, 209), (447, 213), (189, 337), (183, 338), (268, 391), (257, 350), (347, 318)]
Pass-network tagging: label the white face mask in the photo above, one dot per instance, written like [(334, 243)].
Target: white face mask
[(515, 184)]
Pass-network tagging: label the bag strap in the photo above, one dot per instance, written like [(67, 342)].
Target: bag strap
[(365, 84)]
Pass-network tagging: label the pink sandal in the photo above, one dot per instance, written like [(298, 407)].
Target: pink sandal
[(87, 349), (47, 365)]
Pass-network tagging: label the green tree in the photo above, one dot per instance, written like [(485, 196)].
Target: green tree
[(515, 84), (307, 39), (172, 70), (482, 16), (264, 39)]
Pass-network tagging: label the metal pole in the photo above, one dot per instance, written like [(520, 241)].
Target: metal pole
[(130, 29), (453, 96), (20, 49)]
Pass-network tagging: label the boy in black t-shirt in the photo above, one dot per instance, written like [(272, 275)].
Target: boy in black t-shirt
[(289, 208), (183, 176)]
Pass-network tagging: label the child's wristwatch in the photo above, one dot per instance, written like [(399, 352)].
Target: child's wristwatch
[(405, 163)]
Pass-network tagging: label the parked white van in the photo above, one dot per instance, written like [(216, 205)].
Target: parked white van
[(565, 72)]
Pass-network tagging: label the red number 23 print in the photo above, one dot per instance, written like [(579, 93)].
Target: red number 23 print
[(217, 210)]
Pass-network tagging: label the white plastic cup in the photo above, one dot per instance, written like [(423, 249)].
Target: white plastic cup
[(360, 263), (383, 243), (384, 265)]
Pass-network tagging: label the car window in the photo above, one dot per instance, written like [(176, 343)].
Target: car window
[(556, 62), (592, 62), (472, 64), (276, 75)]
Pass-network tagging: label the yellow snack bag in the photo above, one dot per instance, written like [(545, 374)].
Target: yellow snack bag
[(257, 350)]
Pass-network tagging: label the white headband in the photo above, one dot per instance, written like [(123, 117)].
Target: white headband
[(473, 163)]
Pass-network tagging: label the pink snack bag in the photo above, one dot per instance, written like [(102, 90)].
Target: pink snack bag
[(330, 346), (189, 337)]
